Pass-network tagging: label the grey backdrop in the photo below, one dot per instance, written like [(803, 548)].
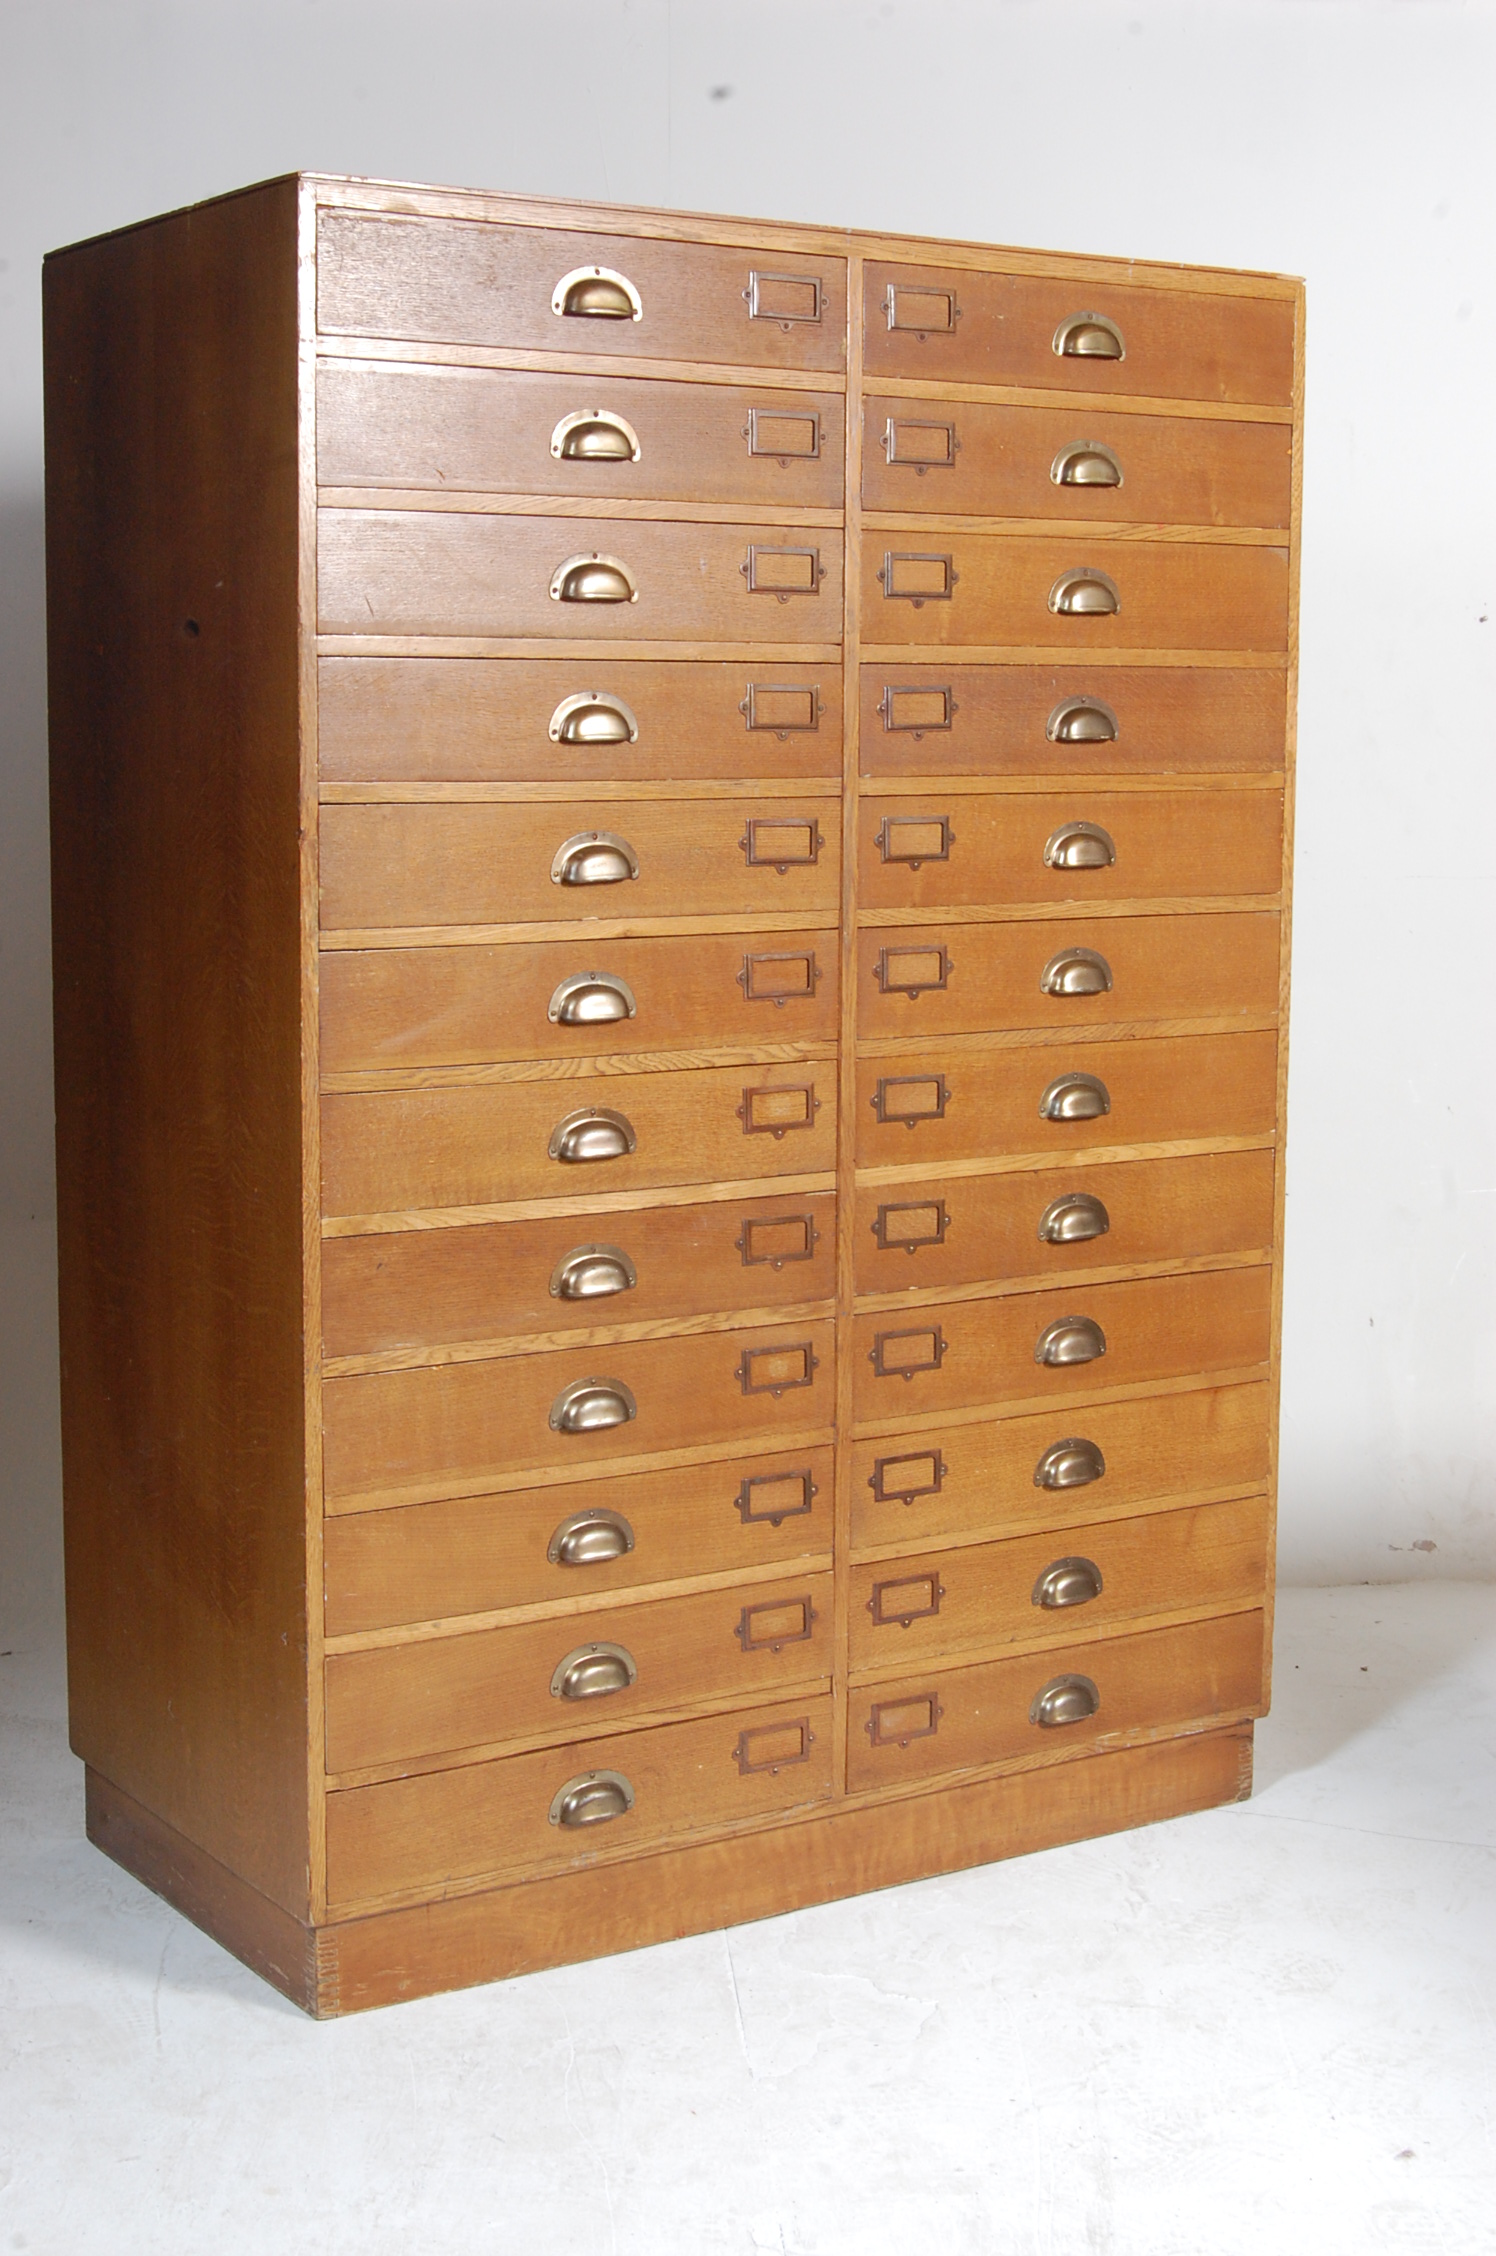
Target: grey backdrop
[(1346, 140)]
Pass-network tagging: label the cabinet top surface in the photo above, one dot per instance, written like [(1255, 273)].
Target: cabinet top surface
[(350, 193)]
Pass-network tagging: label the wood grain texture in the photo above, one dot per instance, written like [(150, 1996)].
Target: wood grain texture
[(981, 1714), (486, 284), (1170, 720), (461, 1422), (172, 585), (386, 866), (970, 1481), (487, 432), (1188, 595), (998, 461), (1177, 346), (1205, 1558), (429, 572)]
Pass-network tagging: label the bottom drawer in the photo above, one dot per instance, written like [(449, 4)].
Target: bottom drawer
[(1056, 1702), (631, 1791)]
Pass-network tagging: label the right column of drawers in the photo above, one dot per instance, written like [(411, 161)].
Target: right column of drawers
[(1074, 627)]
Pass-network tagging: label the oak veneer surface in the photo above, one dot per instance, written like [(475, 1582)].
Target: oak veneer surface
[(570, 744)]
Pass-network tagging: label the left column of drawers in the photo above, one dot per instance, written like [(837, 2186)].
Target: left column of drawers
[(579, 714)]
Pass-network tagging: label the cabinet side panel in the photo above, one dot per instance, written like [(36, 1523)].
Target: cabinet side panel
[(172, 586)]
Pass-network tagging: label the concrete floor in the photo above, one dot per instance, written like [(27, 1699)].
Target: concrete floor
[(1267, 2029)]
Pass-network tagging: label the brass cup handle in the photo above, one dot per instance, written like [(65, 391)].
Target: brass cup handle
[(1082, 720), (595, 1133), (1089, 336), (597, 293), (592, 1406), (594, 857), (1086, 462), (593, 1272), (599, 579), (1068, 1582), (1080, 845), (1073, 1218), (592, 1798), (1076, 971), (593, 716), (1072, 1463), (1068, 1340), (589, 1672), (592, 998), (590, 1539), (1075, 1096), (1064, 1699), (1083, 593), (596, 434)]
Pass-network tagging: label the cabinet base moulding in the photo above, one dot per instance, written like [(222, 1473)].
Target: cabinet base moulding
[(349, 1966)]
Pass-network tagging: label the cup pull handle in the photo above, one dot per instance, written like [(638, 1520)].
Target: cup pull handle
[(593, 716), (1068, 1340), (1072, 1463), (593, 1272), (590, 1539), (1089, 336), (1064, 1699), (1074, 1218), (1080, 845), (596, 434), (1076, 971), (592, 1406), (592, 998), (1083, 593), (592, 1799), (1068, 1582), (591, 1671), (1075, 1096), (1082, 720), (1086, 462), (597, 293), (594, 857), (601, 579), (592, 1134)]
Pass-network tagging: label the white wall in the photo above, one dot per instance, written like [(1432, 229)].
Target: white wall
[(1346, 140)]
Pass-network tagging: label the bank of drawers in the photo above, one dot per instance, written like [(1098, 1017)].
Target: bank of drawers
[(538, 1423)]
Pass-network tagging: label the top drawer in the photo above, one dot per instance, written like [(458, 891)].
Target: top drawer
[(473, 282), (961, 326)]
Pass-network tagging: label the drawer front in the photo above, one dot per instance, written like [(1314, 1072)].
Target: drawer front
[(1080, 1582), (438, 572), (575, 998), (968, 849), (1075, 972), (539, 1680), (580, 1541), (964, 327), (955, 1103), (1071, 719), (956, 1719), (957, 458), (958, 1481), (504, 720), (466, 282), (390, 1151), (446, 1826), (426, 1288), (458, 1425), (946, 589), (1057, 1221), (387, 867), (480, 430), (958, 1354)]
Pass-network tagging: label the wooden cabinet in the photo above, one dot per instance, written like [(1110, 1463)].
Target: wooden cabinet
[(671, 915)]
